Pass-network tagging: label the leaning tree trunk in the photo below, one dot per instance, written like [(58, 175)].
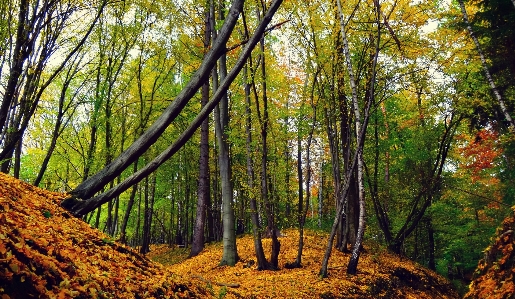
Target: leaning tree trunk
[(79, 207), (489, 78), (95, 183), (262, 263)]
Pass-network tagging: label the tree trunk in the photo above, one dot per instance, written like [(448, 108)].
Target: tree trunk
[(130, 203), (203, 180), (95, 183), (489, 78), (431, 238), (262, 263), (357, 163), (22, 49), (17, 158), (79, 207), (264, 121), (230, 254), (146, 210), (300, 210), (321, 195), (353, 262), (303, 212)]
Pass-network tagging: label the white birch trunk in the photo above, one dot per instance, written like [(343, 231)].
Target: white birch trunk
[(485, 67), (357, 115)]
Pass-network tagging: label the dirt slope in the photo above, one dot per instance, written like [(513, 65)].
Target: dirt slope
[(494, 277), (46, 253)]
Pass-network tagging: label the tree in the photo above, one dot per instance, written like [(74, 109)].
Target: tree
[(262, 263), (65, 106), (489, 78), (303, 206), (203, 195), (230, 253), (356, 163), (95, 183), (28, 61), (80, 207)]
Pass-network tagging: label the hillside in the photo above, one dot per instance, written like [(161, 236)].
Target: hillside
[(494, 277), (46, 253)]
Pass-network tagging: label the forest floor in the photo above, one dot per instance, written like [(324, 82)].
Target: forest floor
[(380, 274), (47, 253)]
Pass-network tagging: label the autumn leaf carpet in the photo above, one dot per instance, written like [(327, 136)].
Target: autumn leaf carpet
[(47, 253)]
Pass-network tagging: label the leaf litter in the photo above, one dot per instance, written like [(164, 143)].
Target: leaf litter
[(380, 274), (47, 253)]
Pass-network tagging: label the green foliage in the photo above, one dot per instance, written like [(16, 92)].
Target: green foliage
[(222, 293), (47, 213)]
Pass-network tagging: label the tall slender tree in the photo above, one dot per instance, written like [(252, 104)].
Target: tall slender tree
[(203, 201)]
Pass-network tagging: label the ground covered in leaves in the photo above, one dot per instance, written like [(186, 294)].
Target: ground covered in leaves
[(46, 253), (494, 277), (380, 274)]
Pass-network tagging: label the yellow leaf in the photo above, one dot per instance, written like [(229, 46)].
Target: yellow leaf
[(14, 268), (3, 250)]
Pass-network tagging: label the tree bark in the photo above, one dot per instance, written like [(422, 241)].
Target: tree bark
[(303, 211), (264, 122), (262, 263), (230, 253), (130, 203), (150, 190), (203, 181), (489, 78)]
